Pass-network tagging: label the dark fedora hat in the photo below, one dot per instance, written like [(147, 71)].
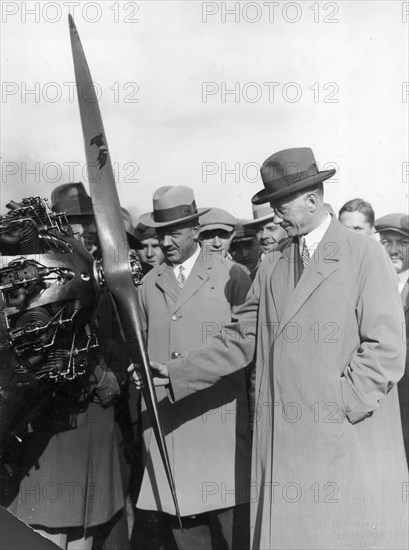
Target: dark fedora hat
[(172, 205), (287, 172), (72, 199)]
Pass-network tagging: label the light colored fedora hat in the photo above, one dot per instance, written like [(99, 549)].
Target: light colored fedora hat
[(172, 205), (261, 213)]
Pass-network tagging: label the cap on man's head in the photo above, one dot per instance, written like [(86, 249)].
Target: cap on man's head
[(72, 199), (217, 218), (393, 222), (172, 205)]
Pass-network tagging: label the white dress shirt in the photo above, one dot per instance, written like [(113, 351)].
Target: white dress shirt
[(313, 239), (187, 264)]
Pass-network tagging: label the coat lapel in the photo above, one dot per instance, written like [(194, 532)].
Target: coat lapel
[(322, 264), (167, 282), (280, 275)]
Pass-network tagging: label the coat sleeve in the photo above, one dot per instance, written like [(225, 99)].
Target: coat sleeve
[(378, 362), (238, 286), (229, 351)]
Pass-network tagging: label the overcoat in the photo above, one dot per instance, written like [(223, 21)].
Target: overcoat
[(208, 435), (403, 385), (73, 477), (328, 466)]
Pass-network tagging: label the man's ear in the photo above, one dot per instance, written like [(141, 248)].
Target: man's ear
[(312, 199), (196, 231)]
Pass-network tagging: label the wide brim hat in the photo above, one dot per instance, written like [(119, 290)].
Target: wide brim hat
[(72, 199), (287, 172), (261, 214), (393, 222), (217, 218), (172, 205)]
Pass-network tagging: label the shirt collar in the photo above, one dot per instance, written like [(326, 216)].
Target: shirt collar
[(187, 264), (313, 238)]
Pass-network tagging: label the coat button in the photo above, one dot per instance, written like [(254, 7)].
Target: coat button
[(175, 355), (176, 317)]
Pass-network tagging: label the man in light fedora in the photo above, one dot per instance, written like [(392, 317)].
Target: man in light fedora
[(324, 318), (183, 301)]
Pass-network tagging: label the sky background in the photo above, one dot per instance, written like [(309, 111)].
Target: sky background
[(327, 75)]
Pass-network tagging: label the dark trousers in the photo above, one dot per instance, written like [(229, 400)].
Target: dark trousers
[(226, 529)]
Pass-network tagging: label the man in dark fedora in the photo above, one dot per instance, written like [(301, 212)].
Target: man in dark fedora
[(182, 302), (73, 199), (393, 232), (324, 318)]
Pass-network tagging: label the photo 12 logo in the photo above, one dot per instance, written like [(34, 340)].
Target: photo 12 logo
[(54, 12), (269, 92), (54, 92), (270, 12)]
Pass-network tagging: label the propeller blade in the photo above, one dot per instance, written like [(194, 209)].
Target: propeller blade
[(113, 240)]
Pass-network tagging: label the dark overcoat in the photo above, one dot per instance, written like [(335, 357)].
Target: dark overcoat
[(328, 467), (403, 385), (73, 477), (207, 435)]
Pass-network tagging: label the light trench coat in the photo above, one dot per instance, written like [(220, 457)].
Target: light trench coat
[(208, 434), (328, 463)]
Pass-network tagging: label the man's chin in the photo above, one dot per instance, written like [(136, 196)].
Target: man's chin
[(173, 258), (398, 265), (291, 232)]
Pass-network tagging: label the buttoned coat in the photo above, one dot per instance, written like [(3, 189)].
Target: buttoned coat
[(208, 435), (328, 466)]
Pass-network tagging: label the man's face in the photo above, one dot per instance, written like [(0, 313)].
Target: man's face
[(246, 253), (268, 235), (357, 222), (178, 243), (85, 230), (293, 216), (217, 241), (397, 246), (151, 252)]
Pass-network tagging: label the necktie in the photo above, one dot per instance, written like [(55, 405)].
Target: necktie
[(181, 277), (305, 255), (301, 258)]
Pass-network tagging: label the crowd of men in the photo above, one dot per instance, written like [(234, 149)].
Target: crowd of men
[(278, 346)]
